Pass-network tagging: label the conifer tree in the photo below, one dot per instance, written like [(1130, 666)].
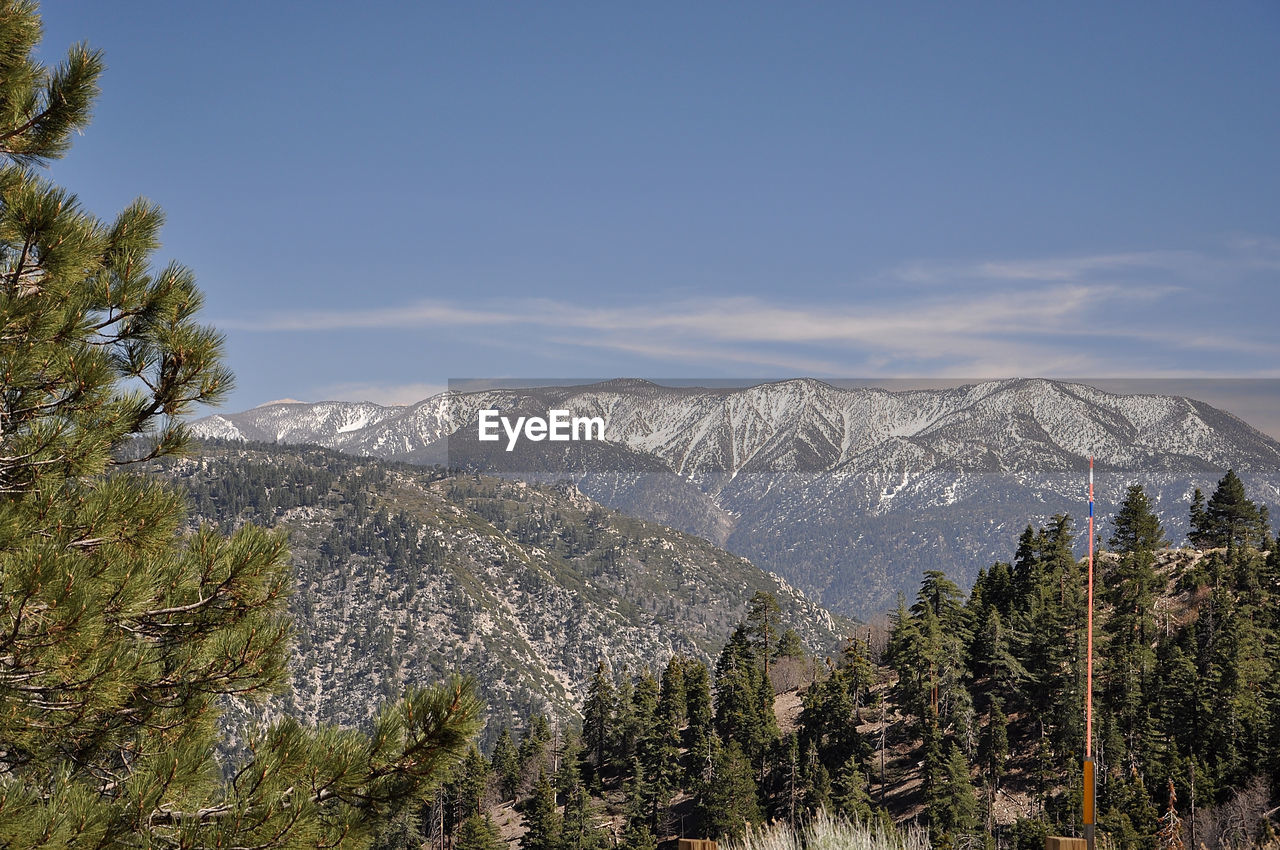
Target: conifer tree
[(697, 733), (849, 795), (533, 744), (790, 645), (672, 702), (1232, 519), (597, 715), (959, 806), (402, 833), (732, 804), (763, 621), (638, 836), (578, 830), (1198, 520), (506, 764), (477, 832), (123, 635), (472, 783), (993, 753), (1137, 528), (542, 823)]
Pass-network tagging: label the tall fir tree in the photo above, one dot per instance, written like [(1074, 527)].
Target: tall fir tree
[(732, 805), (477, 832), (598, 714), (541, 821), (1198, 520), (506, 765), (1137, 528), (1232, 518), (764, 621)]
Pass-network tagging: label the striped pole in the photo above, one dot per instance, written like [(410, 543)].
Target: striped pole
[(1089, 791)]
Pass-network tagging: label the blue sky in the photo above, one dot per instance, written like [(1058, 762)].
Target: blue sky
[(376, 200)]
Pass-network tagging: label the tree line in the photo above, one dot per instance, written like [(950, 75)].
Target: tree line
[(969, 707)]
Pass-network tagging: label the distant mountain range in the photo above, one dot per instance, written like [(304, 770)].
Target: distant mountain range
[(849, 493)]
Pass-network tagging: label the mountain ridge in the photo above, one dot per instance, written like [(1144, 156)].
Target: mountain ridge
[(835, 489)]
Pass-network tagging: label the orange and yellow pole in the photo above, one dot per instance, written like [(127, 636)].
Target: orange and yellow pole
[(1089, 793)]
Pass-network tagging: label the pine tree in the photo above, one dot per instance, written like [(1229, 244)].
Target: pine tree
[(961, 805), (533, 744), (1231, 518), (638, 836), (849, 796), (763, 622), (672, 703), (506, 764), (122, 634), (737, 705), (577, 829), (1137, 528), (661, 748), (697, 733), (790, 645), (542, 824), (993, 753), (1198, 521), (477, 832), (644, 720), (732, 804), (402, 833), (472, 782), (597, 715)]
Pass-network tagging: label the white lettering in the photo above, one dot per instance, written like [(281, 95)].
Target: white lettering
[(513, 434), (488, 427), (558, 426), (587, 423)]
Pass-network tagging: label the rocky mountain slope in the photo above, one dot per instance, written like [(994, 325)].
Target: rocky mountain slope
[(405, 574), (849, 493)]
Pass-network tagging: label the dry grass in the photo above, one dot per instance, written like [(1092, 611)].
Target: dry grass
[(824, 832)]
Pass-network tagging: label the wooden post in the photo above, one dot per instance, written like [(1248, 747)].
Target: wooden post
[(1055, 842), (696, 844)]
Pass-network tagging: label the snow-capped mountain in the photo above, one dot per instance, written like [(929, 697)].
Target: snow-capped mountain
[(848, 492)]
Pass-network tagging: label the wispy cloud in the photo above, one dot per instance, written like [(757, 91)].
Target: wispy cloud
[(1045, 269), (418, 314), (746, 319), (992, 317)]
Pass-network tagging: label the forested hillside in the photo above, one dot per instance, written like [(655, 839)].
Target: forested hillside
[(965, 715), (404, 574)]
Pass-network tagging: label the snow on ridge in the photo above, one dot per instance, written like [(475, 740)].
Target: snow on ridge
[(699, 431)]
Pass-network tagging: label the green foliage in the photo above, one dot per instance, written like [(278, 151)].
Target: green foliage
[(542, 823), (790, 645), (506, 764), (763, 618), (732, 806), (831, 711), (996, 681), (471, 781), (1137, 527), (597, 714), (1230, 519), (477, 832), (403, 833), (122, 635)]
